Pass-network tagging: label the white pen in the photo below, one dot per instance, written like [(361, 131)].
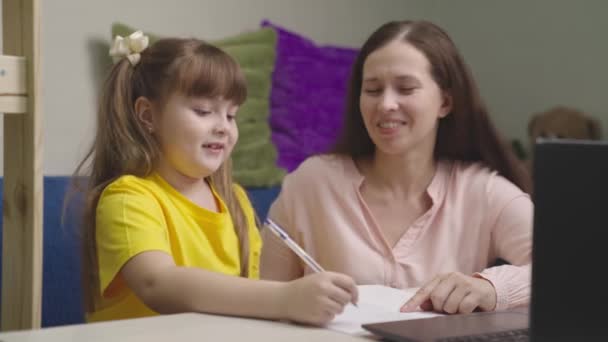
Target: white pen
[(278, 231)]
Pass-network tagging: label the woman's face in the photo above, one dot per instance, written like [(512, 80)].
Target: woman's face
[(400, 101)]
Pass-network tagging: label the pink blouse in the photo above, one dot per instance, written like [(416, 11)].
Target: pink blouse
[(476, 217)]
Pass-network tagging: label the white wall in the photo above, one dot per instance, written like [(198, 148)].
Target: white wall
[(527, 56), (71, 28), (530, 55)]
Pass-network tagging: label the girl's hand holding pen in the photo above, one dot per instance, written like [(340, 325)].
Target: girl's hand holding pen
[(317, 298)]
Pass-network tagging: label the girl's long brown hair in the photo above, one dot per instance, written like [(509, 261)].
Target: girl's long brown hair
[(123, 146), (466, 134)]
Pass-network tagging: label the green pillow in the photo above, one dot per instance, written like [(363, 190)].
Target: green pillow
[(255, 157)]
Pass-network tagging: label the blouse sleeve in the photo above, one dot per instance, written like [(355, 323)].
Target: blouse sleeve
[(511, 212)]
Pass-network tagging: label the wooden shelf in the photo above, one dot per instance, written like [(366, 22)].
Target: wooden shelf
[(13, 75), (13, 104), (20, 90), (13, 84)]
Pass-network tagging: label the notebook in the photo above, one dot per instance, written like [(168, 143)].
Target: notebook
[(377, 303)]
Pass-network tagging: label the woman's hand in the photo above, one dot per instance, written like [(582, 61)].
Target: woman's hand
[(317, 298), (453, 293)]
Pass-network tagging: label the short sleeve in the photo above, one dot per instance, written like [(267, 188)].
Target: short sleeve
[(129, 221)]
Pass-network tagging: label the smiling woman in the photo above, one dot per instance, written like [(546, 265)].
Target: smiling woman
[(419, 191), (400, 102)]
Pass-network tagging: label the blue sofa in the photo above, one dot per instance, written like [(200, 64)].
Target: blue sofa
[(61, 293)]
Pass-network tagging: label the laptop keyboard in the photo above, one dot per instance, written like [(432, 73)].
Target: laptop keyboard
[(520, 335)]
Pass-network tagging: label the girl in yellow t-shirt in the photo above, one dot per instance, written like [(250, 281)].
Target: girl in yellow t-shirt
[(166, 229)]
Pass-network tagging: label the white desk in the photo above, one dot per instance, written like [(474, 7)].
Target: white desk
[(180, 327)]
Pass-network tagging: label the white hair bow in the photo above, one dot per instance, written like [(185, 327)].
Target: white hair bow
[(129, 47)]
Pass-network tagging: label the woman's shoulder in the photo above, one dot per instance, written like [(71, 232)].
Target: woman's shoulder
[(321, 169), (477, 177)]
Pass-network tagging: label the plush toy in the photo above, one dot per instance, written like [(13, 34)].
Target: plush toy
[(563, 123)]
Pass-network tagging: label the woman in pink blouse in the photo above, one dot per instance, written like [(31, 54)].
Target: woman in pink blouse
[(420, 190)]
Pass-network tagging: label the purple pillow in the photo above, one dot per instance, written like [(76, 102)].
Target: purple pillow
[(308, 95)]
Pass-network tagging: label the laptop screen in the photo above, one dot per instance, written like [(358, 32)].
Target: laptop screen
[(570, 254)]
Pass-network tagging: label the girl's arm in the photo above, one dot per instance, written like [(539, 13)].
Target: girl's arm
[(167, 288)]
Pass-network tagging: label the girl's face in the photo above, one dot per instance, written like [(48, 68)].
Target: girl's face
[(196, 134), (400, 101)]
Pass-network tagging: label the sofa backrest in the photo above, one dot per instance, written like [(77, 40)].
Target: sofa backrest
[(61, 292)]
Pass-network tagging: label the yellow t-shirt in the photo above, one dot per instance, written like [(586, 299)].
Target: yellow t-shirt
[(142, 214)]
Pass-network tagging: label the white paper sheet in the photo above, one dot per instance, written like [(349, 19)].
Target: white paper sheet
[(376, 304)]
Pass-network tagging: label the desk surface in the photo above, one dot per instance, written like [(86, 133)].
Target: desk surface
[(180, 327)]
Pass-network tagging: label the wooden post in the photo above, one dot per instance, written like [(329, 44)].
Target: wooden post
[(23, 175)]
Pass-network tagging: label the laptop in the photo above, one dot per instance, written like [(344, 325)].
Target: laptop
[(570, 253)]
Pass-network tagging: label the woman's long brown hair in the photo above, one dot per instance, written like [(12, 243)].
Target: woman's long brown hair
[(466, 134), (123, 146)]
